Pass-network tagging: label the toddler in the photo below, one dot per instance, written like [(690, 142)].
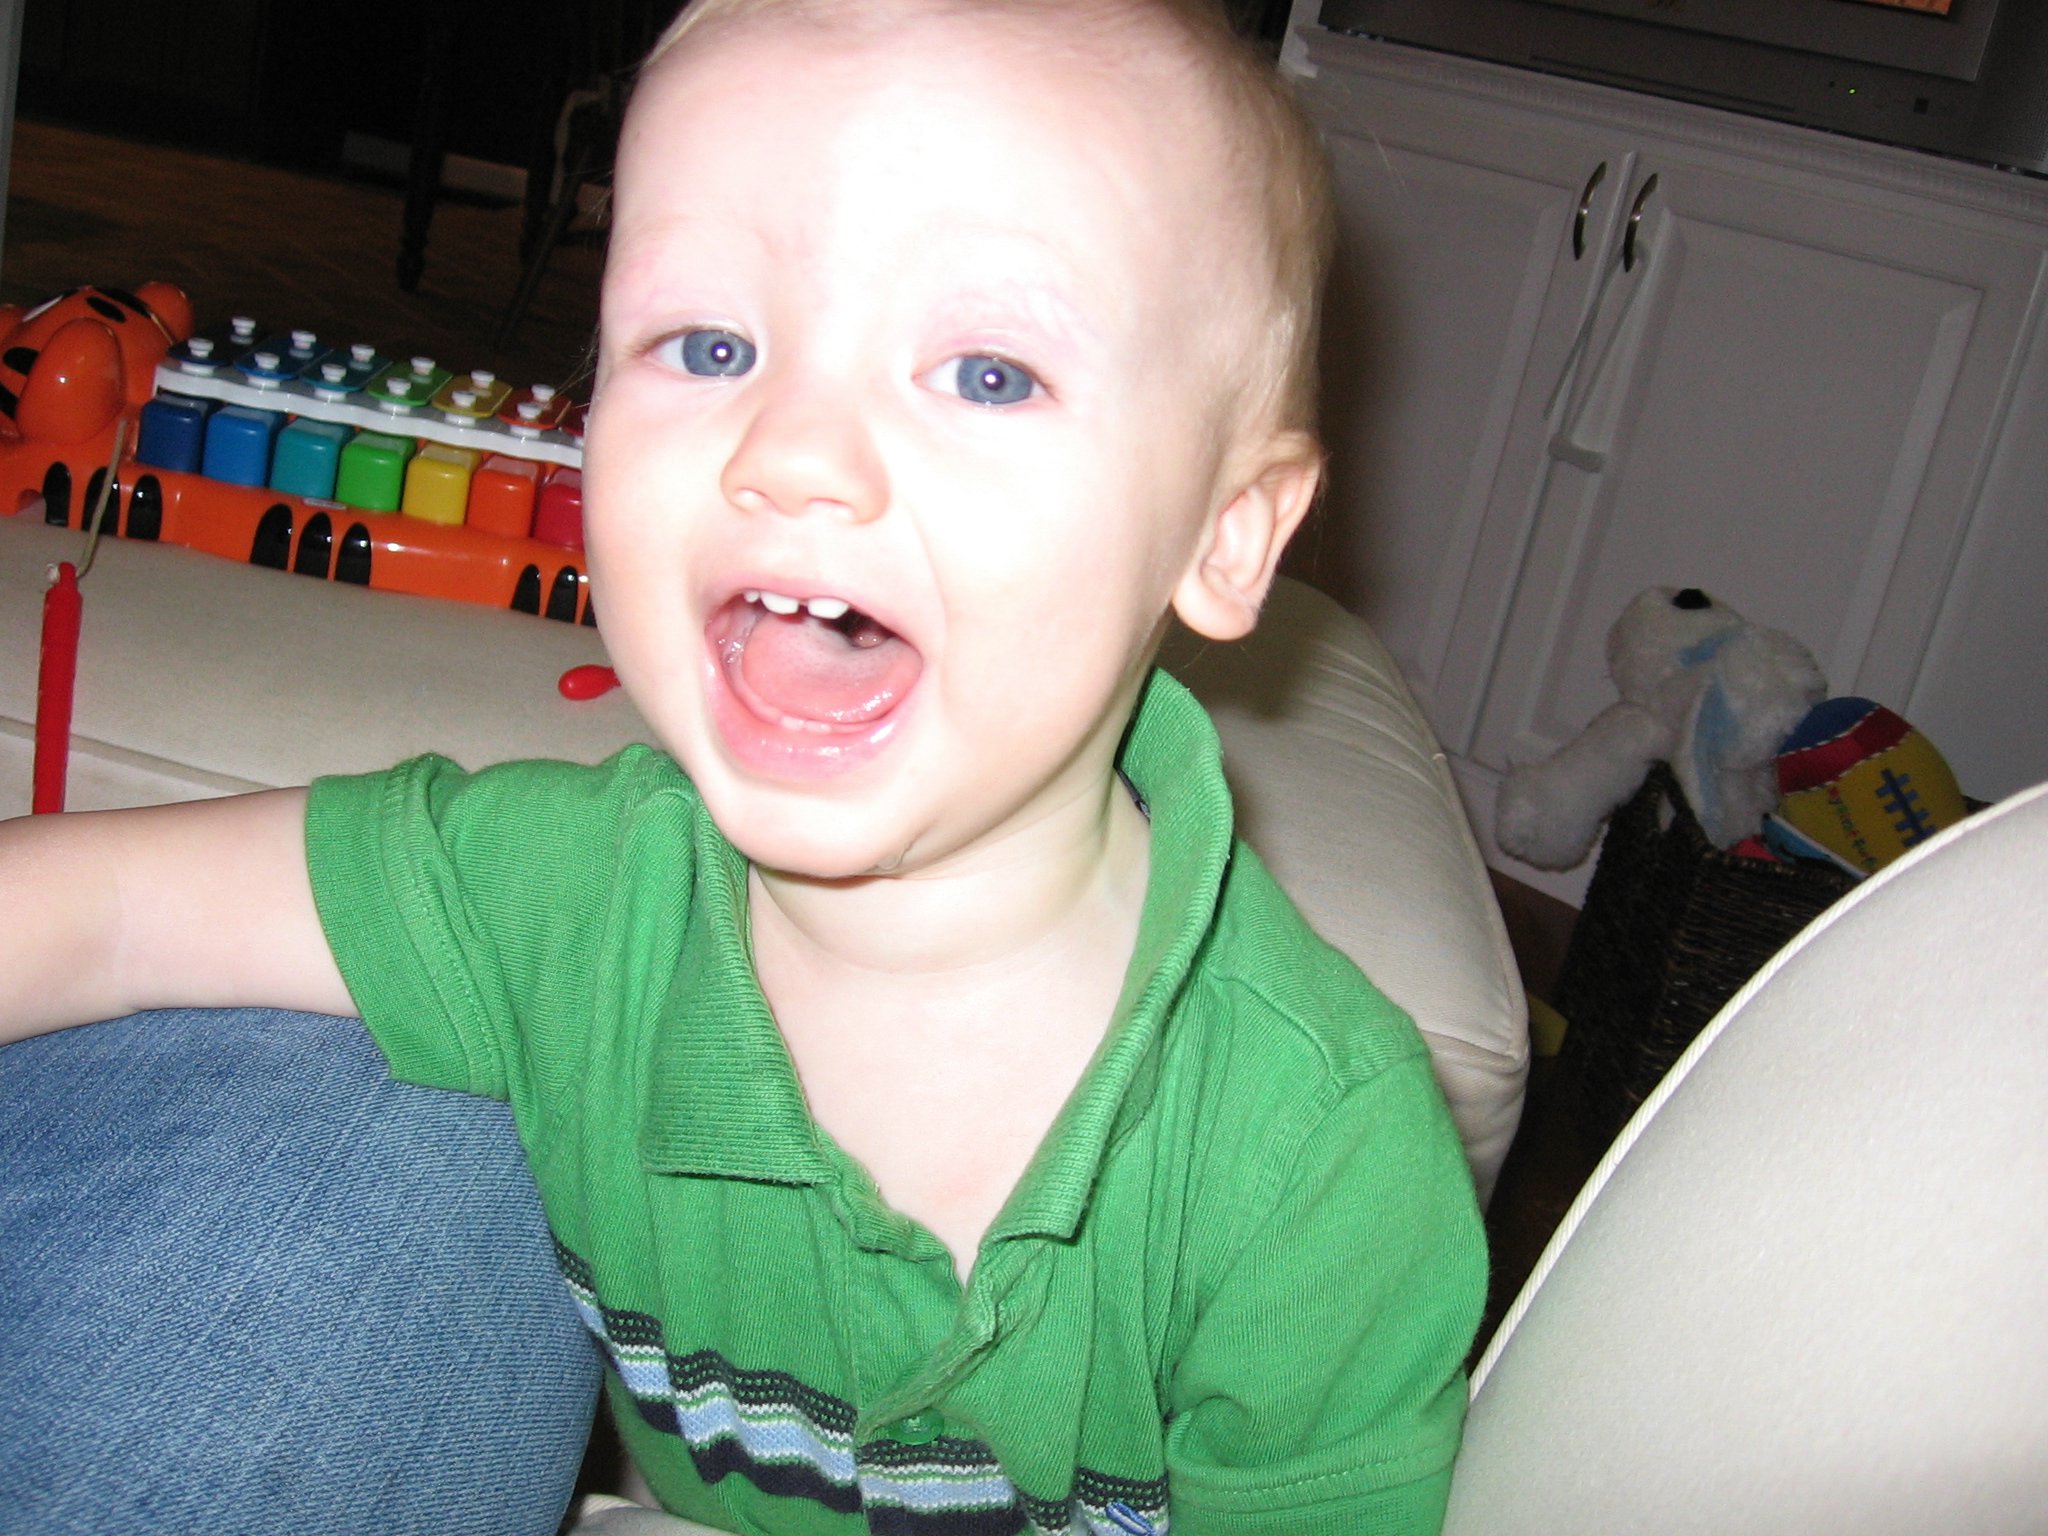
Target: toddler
[(942, 1124)]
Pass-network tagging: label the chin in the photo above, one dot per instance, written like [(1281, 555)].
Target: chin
[(805, 834), (825, 860)]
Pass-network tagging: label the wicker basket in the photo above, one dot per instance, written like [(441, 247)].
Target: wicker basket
[(1671, 929)]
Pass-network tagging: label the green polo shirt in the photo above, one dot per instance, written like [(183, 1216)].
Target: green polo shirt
[(1232, 1292)]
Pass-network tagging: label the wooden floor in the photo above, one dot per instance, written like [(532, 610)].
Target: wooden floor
[(300, 251), (292, 251)]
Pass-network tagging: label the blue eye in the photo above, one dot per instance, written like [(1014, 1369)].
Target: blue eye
[(992, 381), (716, 354)]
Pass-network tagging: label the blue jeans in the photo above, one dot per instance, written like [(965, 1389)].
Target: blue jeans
[(248, 1283)]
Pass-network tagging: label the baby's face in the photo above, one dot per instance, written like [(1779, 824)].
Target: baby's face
[(915, 391)]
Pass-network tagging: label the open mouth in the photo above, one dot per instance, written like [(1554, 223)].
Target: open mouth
[(812, 666)]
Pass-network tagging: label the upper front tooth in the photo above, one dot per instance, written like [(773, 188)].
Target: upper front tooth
[(828, 608), (775, 602)]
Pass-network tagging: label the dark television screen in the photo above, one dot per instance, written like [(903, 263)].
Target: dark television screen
[(1967, 78), (1942, 37)]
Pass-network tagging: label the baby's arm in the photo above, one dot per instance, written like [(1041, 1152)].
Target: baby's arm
[(109, 912)]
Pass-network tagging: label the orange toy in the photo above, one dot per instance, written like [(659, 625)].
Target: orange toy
[(71, 369)]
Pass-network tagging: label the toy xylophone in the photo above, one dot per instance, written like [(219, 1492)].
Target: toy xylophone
[(336, 462)]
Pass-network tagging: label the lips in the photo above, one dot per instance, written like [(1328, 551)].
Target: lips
[(809, 682)]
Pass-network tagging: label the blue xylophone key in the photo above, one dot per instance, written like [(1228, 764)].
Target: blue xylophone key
[(173, 432), (277, 358), (215, 349), (238, 443)]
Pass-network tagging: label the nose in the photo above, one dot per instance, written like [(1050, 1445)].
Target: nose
[(806, 452)]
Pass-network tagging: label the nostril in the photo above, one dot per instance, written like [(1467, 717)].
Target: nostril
[(1691, 598)]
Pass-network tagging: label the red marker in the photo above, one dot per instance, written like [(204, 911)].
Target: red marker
[(587, 682), (55, 685)]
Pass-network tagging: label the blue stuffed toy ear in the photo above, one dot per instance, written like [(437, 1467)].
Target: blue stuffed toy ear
[(1709, 738), (1713, 736)]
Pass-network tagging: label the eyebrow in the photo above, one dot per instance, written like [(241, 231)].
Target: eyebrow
[(1040, 299), (1021, 307)]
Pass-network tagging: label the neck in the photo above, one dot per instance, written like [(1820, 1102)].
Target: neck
[(1074, 876)]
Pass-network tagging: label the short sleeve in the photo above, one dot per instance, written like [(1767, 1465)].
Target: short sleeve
[(462, 908), (1322, 1390)]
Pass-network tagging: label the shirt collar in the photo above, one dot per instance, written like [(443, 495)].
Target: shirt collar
[(723, 1098)]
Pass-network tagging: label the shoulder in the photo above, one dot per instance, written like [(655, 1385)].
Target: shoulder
[(629, 777), (526, 826), (1288, 1072), (442, 792), (470, 912), (1292, 999)]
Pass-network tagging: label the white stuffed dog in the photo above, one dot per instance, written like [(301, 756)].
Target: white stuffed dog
[(1701, 689)]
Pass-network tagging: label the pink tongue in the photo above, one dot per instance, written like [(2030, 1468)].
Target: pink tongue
[(806, 668)]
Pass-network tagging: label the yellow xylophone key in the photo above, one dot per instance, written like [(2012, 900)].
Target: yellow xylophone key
[(437, 483)]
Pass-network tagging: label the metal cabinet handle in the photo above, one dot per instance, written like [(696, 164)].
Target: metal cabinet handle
[(1635, 223), (1585, 209)]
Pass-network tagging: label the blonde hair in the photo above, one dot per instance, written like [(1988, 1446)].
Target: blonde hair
[(1279, 162)]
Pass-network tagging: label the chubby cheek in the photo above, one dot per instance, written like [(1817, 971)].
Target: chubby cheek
[(1040, 644), (638, 567), (623, 474)]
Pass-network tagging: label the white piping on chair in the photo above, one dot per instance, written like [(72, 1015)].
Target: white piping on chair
[(1511, 1319)]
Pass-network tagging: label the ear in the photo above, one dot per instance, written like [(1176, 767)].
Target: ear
[(1219, 594)]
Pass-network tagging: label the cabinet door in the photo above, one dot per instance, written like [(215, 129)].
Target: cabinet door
[(1787, 402), (1981, 694), (1465, 265)]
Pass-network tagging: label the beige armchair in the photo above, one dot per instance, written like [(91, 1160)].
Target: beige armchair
[(1803, 1293)]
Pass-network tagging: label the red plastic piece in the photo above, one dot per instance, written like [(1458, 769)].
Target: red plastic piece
[(558, 519), (56, 684), (587, 682)]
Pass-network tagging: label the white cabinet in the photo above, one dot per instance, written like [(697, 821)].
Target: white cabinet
[(1454, 297), (1582, 342)]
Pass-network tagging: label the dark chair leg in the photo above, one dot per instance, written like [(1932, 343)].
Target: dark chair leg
[(590, 145), (443, 25)]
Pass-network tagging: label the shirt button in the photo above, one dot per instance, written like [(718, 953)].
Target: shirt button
[(916, 1429)]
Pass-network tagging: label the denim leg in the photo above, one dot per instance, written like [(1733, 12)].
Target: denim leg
[(248, 1283)]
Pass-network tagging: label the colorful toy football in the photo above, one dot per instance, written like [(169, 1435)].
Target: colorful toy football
[(1864, 784)]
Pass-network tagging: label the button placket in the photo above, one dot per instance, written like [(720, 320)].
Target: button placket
[(914, 1401), (900, 1380)]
